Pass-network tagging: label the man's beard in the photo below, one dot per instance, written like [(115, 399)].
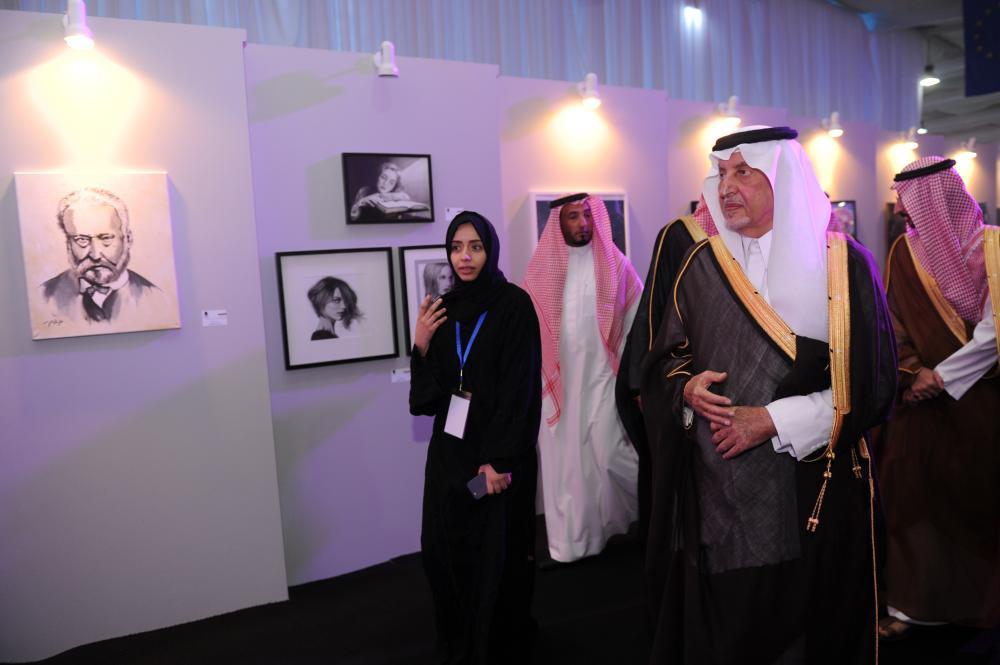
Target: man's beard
[(100, 272), (737, 224), (574, 241)]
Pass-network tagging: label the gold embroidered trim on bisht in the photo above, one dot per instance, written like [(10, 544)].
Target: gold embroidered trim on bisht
[(840, 329), (888, 260), (991, 248), (761, 311), (839, 315), (652, 283), (680, 273), (694, 228), (944, 309)]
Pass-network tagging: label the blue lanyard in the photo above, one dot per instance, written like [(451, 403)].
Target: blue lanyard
[(462, 357)]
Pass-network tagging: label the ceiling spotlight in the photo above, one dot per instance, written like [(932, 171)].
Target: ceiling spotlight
[(692, 15), (385, 60), (929, 78), (588, 90), (921, 129), (832, 125), (77, 34), (909, 141), (730, 111), (968, 150)]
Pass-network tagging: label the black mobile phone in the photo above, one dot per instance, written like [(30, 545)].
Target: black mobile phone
[(477, 486)]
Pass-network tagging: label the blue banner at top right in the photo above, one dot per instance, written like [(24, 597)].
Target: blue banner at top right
[(982, 46)]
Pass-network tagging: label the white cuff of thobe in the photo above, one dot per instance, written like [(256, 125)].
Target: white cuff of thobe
[(803, 423), (962, 369)]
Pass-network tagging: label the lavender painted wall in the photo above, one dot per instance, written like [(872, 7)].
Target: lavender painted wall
[(550, 143), (350, 457), (137, 472)]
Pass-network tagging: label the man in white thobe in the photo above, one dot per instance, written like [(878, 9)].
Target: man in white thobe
[(585, 293)]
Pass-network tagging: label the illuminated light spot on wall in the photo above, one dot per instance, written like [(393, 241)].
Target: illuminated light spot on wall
[(824, 153), (965, 164), (579, 133), (89, 101), (900, 154)]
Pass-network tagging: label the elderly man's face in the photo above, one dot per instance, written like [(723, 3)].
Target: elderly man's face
[(577, 223), (97, 247), (746, 197)]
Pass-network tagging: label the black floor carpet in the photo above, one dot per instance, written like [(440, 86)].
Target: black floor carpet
[(591, 611)]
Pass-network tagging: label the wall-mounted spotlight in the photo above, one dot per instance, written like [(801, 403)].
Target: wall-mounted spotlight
[(968, 149), (385, 60), (692, 14), (929, 78), (832, 125), (909, 140), (730, 111), (588, 90), (77, 33)]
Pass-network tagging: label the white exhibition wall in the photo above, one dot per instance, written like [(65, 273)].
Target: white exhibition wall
[(350, 457), (143, 476), (137, 472)]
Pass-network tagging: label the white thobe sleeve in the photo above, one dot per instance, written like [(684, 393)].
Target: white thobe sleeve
[(803, 423), (962, 369)]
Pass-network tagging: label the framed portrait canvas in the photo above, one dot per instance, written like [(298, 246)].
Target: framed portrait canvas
[(895, 225), (615, 202), (845, 218), (337, 306), (425, 271), (387, 188), (98, 253)]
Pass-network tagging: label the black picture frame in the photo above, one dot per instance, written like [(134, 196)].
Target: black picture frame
[(410, 200), (615, 202), (895, 224), (846, 214), (311, 339), (413, 262)]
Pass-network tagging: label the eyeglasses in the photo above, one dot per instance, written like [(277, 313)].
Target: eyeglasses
[(83, 241)]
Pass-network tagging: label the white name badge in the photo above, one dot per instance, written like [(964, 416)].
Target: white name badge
[(458, 413)]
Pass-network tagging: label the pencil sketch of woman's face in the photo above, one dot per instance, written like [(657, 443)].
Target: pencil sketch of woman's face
[(334, 308)]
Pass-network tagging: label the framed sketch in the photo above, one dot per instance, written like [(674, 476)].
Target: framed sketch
[(425, 271), (98, 253), (337, 306), (986, 212), (386, 188), (615, 202), (845, 218), (895, 224)]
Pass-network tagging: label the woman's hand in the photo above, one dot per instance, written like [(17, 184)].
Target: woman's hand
[(430, 318), (495, 482)]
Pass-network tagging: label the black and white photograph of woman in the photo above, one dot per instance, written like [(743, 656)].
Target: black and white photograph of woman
[(336, 307), (387, 188), (438, 279)]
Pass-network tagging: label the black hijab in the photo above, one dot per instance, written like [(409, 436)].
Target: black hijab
[(467, 300)]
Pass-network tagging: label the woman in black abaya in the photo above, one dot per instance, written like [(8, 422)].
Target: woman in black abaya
[(478, 554)]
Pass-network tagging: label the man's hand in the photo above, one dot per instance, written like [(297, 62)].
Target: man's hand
[(495, 482), (928, 384), (716, 409), (751, 426)]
